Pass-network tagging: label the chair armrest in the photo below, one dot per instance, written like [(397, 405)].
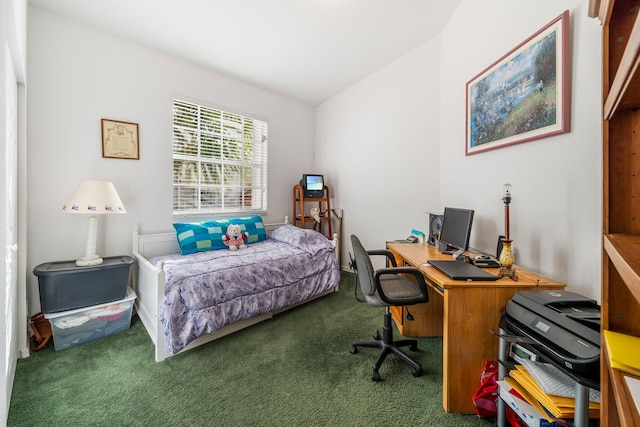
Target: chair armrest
[(386, 253), (413, 271)]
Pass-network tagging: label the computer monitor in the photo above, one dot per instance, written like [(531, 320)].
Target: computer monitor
[(456, 230), (312, 185)]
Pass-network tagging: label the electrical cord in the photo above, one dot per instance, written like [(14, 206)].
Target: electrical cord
[(477, 251), (409, 315)]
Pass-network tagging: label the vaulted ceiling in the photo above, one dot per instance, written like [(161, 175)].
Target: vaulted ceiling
[(308, 50)]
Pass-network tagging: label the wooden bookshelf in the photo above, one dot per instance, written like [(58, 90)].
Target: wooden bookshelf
[(621, 194), (625, 406), (624, 253)]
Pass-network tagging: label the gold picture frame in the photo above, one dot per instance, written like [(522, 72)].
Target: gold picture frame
[(120, 140)]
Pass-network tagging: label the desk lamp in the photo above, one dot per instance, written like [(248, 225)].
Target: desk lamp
[(93, 198), (506, 255)]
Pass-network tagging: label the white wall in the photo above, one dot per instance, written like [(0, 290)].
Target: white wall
[(557, 181), (378, 145), (13, 33), (8, 225), (392, 146), (77, 77)]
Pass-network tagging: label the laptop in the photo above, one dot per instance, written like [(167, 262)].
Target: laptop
[(460, 270)]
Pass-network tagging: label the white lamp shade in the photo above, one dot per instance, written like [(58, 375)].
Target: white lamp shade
[(95, 198)]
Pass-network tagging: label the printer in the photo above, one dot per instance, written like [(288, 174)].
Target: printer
[(562, 325)]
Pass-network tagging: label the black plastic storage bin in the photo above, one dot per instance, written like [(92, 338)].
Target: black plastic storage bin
[(65, 286)]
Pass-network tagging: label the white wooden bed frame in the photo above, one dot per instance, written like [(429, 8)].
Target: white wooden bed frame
[(150, 282)]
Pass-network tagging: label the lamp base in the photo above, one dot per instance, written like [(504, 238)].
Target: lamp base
[(509, 272), (90, 256), (87, 262), (506, 260)]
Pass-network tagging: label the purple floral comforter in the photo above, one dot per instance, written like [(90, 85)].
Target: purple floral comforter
[(208, 290)]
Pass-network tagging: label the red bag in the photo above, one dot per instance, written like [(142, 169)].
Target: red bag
[(485, 398)]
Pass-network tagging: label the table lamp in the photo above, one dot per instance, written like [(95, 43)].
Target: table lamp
[(93, 198), (506, 255)]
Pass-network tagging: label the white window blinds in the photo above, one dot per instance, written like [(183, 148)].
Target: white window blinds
[(219, 161)]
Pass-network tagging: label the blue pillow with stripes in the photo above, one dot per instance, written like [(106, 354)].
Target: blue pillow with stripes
[(199, 236), (207, 236)]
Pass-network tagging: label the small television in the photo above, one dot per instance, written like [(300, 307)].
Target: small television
[(456, 230), (312, 185)]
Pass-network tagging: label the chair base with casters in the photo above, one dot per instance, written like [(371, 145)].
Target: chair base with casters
[(387, 287), (388, 346)]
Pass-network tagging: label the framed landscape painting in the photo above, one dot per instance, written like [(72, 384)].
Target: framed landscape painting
[(523, 96)]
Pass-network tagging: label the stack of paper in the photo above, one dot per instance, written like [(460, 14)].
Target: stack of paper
[(553, 381), (623, 351), (560, 407), (532, 416)]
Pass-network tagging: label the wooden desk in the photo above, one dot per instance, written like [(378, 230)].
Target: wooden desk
[(463, 313)]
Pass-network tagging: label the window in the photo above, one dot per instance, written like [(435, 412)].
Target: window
[(219, 161)]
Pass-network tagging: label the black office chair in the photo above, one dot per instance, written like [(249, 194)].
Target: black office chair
[(384, 288)]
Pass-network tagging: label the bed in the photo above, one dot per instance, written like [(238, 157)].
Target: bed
[(185, 301)]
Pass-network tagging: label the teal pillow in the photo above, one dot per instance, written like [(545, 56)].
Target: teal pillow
[(207, 236), (199, 236)]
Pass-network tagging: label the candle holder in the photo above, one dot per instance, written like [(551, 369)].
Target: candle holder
[(506, 255)]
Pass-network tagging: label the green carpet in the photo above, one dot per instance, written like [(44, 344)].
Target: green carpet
[(292, 370)]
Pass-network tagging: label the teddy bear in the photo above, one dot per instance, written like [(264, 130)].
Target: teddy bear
[(234, 238)]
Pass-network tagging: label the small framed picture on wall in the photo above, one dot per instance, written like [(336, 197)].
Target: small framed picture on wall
[(120, 140)]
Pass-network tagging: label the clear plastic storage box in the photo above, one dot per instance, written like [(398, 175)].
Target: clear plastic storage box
[(82, 325)]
